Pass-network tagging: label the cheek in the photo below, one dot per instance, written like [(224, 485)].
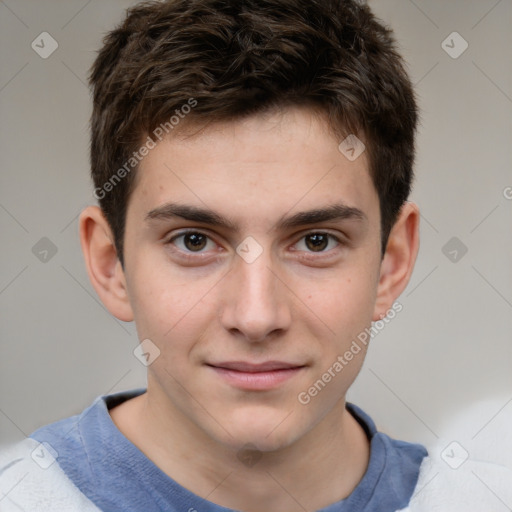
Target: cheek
[(163, 302), (345, 302)]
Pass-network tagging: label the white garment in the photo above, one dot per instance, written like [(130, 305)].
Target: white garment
[(471, 472), (32, 481), (474, 487)]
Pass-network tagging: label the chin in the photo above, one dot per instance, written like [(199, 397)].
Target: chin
[(263, 428)]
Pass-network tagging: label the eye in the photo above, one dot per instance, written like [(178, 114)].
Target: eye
[(317, 242), (192, 242)]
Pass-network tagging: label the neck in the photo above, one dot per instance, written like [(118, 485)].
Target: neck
[(321, 468)]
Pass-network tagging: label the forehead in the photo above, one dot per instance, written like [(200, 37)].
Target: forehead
[(261, 165)]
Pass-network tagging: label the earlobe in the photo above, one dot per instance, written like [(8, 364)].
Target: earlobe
[(103, 267), (399, 258)]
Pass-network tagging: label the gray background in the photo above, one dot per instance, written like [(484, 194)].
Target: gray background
[(448, 352)]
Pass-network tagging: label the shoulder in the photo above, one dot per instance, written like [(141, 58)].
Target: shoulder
[(476, 487), (31, 479), (52, 470), (469, 469)]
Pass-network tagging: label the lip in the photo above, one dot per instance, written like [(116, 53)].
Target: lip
[(253, 377)]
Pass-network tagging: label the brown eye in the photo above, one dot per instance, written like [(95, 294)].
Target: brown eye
[(195, 241), (192, 242), (317, 242)]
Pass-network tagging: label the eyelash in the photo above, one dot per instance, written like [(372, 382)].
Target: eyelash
[(197, 255)]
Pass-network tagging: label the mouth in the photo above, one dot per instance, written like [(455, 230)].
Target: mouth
[(256, 377)]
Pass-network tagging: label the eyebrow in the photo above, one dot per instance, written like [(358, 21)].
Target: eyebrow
[(334, 212)]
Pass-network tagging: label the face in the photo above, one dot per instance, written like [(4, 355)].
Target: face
[(252, 256)]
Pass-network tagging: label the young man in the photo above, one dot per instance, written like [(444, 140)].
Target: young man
[(252, 160)]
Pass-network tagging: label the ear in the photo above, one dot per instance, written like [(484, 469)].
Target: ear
[(103, 266), (398, 262)]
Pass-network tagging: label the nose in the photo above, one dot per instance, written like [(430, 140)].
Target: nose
[(256, 301)]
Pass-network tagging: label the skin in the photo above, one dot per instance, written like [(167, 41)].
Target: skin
[(296, 302)]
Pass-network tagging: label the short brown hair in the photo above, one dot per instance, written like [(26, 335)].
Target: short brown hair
[(235, 58)]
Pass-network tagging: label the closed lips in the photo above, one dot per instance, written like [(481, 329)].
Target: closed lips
[(245, 367)]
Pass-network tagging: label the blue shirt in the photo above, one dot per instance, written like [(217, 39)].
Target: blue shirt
[(117, 477)]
